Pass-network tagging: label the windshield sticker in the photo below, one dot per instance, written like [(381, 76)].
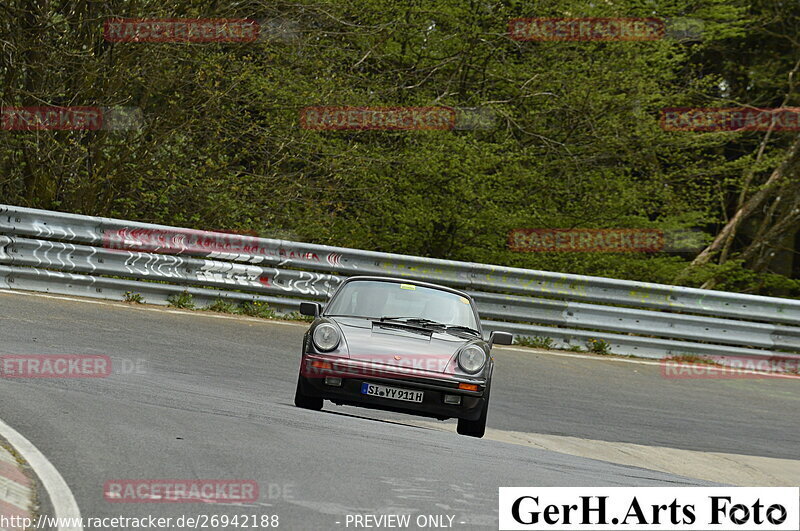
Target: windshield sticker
[(408, 286), (464, 300)]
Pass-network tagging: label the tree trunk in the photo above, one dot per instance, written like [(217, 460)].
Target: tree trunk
[(786, 169)]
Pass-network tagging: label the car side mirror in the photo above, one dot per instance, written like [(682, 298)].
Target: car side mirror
[(500, 338), (310, 308)]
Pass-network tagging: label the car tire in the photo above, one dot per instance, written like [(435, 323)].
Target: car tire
[(475, 428), (305, 401)]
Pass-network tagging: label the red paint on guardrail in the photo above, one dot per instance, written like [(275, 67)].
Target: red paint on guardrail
[(189, 241), (180, 241), (241, 232)]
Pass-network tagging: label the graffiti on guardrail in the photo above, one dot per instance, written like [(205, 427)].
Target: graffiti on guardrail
[(226, 273), (184, 269), (212, 244), (35, 257), (183, 241)]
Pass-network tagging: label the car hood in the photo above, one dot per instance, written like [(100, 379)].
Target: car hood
[(397, 346)]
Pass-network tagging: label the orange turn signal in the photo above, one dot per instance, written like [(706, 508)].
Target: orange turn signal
[(468, 387), (321, 365)]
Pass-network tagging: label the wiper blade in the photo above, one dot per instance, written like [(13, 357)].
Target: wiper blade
[(402, 325), (414, 320), (464, 329)]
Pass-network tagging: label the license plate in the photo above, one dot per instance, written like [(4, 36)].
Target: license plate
[(392, 393)]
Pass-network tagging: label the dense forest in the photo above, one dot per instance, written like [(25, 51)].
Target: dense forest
[(547, 134)]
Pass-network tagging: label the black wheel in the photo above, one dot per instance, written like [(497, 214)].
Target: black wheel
[(475, 428), (303, 400)]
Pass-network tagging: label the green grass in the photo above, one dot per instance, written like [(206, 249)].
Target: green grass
[(534, 342), (182, 300), (297, 316), (133, 298), (598, 346), (254, 309), (222, 306), (258, 309), (544, 343)]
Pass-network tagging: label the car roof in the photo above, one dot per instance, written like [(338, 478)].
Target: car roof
[(410, 281)]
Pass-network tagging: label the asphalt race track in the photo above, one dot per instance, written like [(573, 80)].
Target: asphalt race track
[(201, 396)]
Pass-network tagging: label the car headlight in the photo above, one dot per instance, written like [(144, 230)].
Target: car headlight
[(326, 337), (471, 359)]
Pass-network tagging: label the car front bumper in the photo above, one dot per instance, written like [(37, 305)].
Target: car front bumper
[(435, 386)]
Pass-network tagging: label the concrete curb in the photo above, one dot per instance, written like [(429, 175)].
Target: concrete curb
[(16, 492)]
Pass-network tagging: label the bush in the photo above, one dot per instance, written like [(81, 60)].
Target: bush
[(258, 309), (222, 306), (598, 346), (182, 300), (133, 298), (534, 342)]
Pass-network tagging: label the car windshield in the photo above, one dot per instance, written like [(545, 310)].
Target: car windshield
[(374, 299)]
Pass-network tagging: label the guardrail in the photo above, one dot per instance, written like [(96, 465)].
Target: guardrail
[(72, 254)]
